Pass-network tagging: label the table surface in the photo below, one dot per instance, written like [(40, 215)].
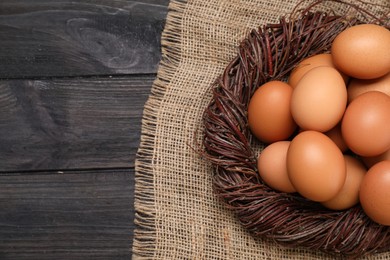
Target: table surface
[(74, 77)]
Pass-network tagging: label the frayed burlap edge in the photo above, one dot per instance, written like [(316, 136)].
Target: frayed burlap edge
[(144, 203)]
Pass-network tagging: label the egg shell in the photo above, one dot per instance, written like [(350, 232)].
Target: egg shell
[(272, 166), (357, 87), (337, 137), (375, 193), (324, 59), (362, 51), (370, 161), (315, 166), (269, 115), (348, 196), (366, 124), (319, 100)]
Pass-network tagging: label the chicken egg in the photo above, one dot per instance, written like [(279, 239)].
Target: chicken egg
[(360, 86), (362, 51), (375, 193), (272, 166), (315, 166), (370, 161), (366, 124), (318, 101), (335, 135), (348, 196), (324, 59), (269, 115)]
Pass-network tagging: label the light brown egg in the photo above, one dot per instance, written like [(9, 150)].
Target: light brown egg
[(324, 59), (375, 193), (362, 51), (272, 166), (357, 87), (318, 101), (349, 193), (269, 115), (337, 138), (366, 124), (315, 166)]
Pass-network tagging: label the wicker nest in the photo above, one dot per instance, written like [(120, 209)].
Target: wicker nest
[(270, 53)]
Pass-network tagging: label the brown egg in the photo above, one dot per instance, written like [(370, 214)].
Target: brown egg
[(269, 115), (272, 166), (360, 86), (375, 193), (362, 51), (318, 101), (324, 59), (337, 138), (349, 193), (315, 166), (370, 161), (366, 124)]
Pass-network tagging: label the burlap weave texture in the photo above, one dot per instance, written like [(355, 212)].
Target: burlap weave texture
[(178, 216)]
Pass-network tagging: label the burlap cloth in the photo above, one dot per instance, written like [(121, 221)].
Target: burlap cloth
[(177, 214)]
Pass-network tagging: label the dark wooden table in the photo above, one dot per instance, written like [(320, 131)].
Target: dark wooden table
[(74, 76)]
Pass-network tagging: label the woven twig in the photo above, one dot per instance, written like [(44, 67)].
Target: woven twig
[(270, 53)]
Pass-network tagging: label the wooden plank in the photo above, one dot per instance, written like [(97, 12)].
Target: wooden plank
[(74, 215), (45, 38), (71, 123)]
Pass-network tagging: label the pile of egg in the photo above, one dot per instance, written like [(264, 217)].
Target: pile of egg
[(327, 129)]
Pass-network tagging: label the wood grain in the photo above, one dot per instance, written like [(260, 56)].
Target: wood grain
[(70, 215), (46, 38), (74, 76), (79, 123)]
